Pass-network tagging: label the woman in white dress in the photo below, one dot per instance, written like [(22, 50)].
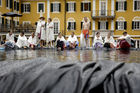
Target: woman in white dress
[(22, 41), (40, 30), (98, 42), (109, 41), (50, 33)]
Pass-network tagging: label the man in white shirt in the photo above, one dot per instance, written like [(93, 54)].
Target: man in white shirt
[(10, 37), (22, 41), (72, 41)]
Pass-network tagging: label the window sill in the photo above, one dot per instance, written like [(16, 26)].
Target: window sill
[(86, 11), (121, 11), (120, 30), (71, 30), (26, 12), (55, 12), (135, 29), (71, 12), (136, 10)]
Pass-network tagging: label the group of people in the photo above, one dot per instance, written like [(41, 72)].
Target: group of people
[(44, 37), (123, 42)]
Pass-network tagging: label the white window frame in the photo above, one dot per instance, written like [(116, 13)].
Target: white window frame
[(83, 6), (134, 5), (58, 21), (100, 7), (26, 7), (24, 22), (71, 21), (122, 7), (55, 7), (120, 25), (72, 6), (1, 3), (135, 25), (8, 7), (38, 6), (101, 25)]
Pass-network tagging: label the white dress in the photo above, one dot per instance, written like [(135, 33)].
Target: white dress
[(97, 40), (110, 40), (22, 41), (50, 32), (41, 30), (10, 38), (32, 40), (72, 39)]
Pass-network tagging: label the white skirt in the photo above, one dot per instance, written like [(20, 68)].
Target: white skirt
[(49, 35)]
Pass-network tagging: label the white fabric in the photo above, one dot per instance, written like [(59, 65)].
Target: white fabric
[(127, 38), (72, 39), (99, 39), (110, 40), (41, 29), (10, 37), (50, 32), (61, 39), (22, 41), (32, 40), (82, 40)]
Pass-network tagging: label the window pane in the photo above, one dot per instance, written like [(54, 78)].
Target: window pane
[(86, 6), (41, 7)]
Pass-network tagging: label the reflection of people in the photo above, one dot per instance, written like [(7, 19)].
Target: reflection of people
[(22, 41), (50, 33), (109, 41), (40, 30), (86, 27), (32, 40), (124, 41), (72, 41), (98, 42), (60, 42)]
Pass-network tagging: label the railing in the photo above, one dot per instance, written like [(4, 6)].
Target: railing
[(103, 14), (18, 28)]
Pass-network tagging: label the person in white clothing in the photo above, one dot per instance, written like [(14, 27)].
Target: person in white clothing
[(10, 37), (109, 41), (50, 33), (22, 41), (98, 42), (72, 41), (124, 42), (40, 31), (32, 40), (60, 42)]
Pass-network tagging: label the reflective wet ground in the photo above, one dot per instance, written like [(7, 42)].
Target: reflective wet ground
[(72, 55)]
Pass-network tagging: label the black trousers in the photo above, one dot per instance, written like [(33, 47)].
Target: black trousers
[(60, 44), (107, 45)]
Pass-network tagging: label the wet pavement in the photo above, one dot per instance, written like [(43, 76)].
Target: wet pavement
[(72, 55)]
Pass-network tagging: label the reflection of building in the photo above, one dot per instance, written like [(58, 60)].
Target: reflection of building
[(104, 15)]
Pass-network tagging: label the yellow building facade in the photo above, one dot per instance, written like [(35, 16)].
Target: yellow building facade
[(105, 16)]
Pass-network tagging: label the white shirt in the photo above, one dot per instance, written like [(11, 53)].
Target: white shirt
[(72, 39), (110, 40), (61, 39), (32, 40), (97, 39), (10, 37)]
